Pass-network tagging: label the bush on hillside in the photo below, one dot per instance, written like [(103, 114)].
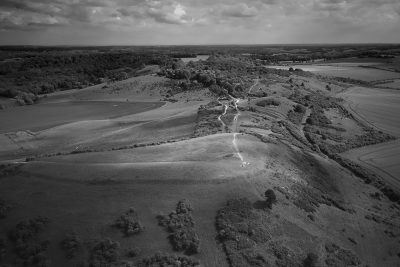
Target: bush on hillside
[(270, 198), (129, 223), (161, 260), (180, 224), (71, 245), (2, 249), (4, 209), (29, 249), (299, 108), (104, 253), (311, 260), (268, 102)]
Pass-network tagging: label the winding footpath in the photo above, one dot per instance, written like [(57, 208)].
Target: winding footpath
[(235, 124), (223, 114)]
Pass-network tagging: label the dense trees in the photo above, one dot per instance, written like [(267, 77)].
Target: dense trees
[(42, 73)]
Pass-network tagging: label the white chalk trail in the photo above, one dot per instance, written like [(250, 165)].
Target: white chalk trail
[(223, 114), (235, 145)]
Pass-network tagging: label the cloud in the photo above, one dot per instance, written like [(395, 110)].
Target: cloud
[(222, 20), (239, 10)]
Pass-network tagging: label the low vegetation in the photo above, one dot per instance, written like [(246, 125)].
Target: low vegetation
[(3, 249), (104, 253), (207, 120), (337, 256), (239, 231), (72, 244), (30, 250), (268, 102), (129, 223), (180, 225), (161, 260), (4, 209), (270, 198)]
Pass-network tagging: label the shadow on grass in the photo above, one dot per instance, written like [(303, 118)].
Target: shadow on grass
[(260, 205)]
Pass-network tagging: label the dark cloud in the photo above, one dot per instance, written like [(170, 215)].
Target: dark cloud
[(269, 20), (239, 10)]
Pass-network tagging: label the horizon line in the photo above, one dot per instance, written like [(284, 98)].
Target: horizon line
[(166, 45)]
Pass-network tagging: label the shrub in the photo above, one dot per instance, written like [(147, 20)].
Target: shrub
[(268, 102), (103, 253), (270, 198), (29, 249), (337, 256), (129, 223), (2, 249), (161, 260), (4, 209), (299, 109), (180, 224), (133, 252), (311, 260), (71, 244), (10, 93)]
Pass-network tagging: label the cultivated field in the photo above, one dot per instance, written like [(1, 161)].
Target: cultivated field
[(378, 108), (365, 71)]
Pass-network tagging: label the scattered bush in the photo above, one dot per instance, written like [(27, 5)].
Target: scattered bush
[(104, 253), (311, 260), (336, 256), (29, 249), (71, 245), (2, 249), (129, 223), (268, 102), (161, 260), (180, 224), (133, 252), (10, 93), (270, 198), (299, 108), (4, 209), (240, 229)]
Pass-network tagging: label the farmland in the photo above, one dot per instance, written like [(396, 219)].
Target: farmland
[(366, 71)]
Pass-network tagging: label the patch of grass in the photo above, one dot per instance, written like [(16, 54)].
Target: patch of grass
[(180, 224)]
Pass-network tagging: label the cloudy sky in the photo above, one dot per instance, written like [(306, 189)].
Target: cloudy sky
[(157, 22)]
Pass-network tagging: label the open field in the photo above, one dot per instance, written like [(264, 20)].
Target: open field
[(378, 108), (346, 70), (43, 116), (382, 158)]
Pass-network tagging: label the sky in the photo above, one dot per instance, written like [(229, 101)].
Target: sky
[(180, 22)]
